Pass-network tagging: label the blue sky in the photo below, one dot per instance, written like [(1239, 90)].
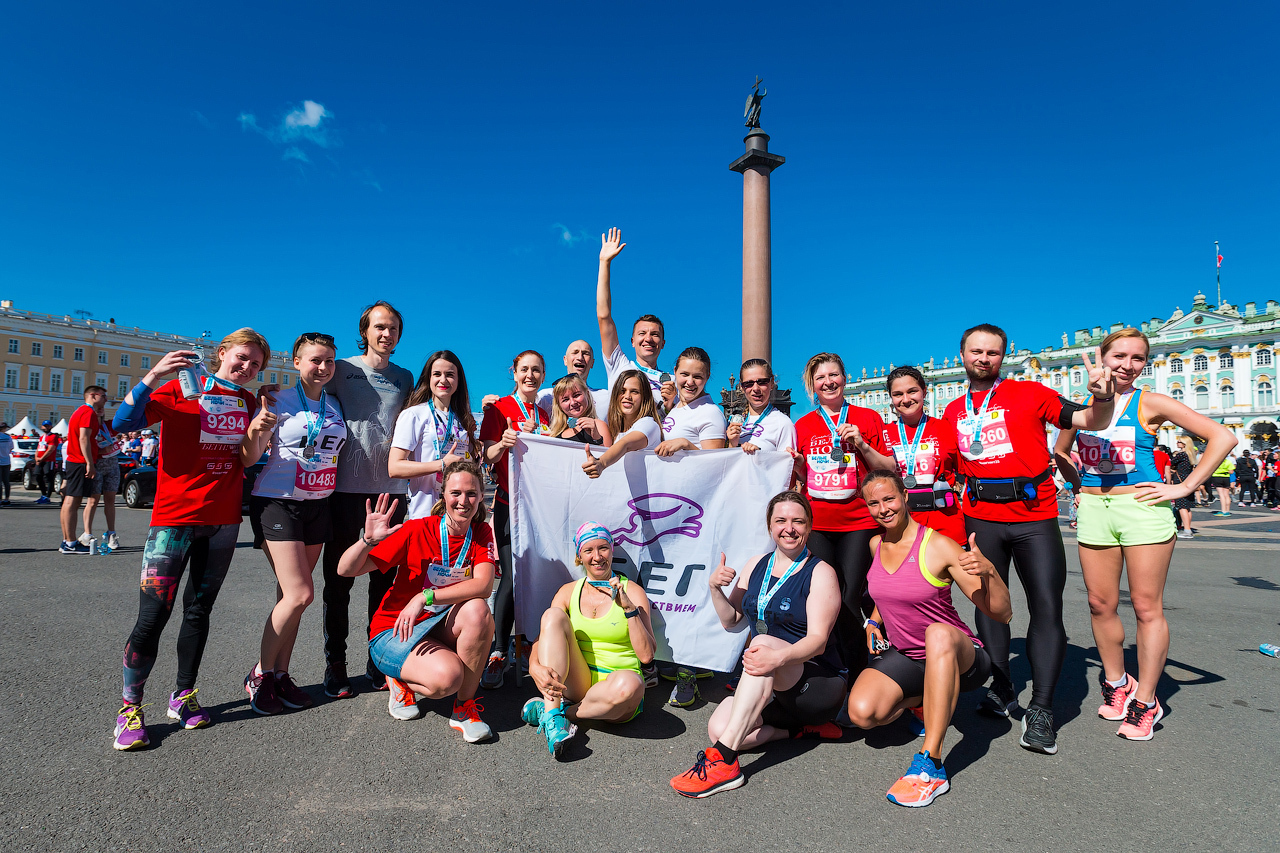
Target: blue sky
[(1040, 167)]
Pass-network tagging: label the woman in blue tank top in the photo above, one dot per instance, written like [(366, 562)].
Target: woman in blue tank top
[(792, 684), (1126, 521)]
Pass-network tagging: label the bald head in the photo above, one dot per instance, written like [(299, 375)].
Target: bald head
[(579, 358)]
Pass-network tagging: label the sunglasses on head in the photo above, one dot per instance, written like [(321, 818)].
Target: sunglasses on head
[(313, 338), (751, 383)]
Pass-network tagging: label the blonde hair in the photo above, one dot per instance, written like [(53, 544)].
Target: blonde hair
[(462, 466), (1189, 448), (559, 420), (1110, 340), (648, 408), (812, 367), (243, 337)]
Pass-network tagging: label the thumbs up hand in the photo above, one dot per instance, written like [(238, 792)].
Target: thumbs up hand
[(974, 562), (593, 466), (509, 436), (723, 575)]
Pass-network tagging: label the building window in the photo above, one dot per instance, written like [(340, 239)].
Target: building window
[(286, 380), (1228, 396), (37, 348), (259, 375), (11, 377), (1262, 358), (122, 388), (146, 362), (1200, 363), (1226, 359), (1266, 396), (55, 383), (273, 377), (1202, 398), (77, 384), (78, 355), (57, 350), (33, 381), (100, 380), (1057, 379), (124, 359), (102, 356), (1175, 365), (1176, 393), (13, 346), (1076, 377)]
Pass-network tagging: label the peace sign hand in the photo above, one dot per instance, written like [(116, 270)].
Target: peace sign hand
[(1101, 383)]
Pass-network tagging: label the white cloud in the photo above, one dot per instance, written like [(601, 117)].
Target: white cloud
[(567, 237), (295, 153), (309, 116), (308, 123)]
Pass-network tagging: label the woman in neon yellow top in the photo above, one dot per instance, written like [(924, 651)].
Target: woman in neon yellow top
[(594, 637)]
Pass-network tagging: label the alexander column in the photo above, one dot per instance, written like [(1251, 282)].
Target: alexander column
[(757, 298)]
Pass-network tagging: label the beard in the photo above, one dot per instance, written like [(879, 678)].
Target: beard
[(981, 374)]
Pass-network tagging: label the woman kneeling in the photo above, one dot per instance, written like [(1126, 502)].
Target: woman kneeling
[(934, 656), (594, 637), (433, 628), (792, 684)]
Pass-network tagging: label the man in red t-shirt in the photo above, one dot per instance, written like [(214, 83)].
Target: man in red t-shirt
[(1010, 503), (82, 461), (47, 461)]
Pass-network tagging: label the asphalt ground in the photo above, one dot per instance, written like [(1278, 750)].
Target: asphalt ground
[(345, 775)]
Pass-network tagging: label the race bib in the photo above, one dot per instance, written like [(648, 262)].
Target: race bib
[(224, 419), (441, 576), (1118, 444), (108, 445), (991, 430), (316, 477), (926, 461), (830, 480)]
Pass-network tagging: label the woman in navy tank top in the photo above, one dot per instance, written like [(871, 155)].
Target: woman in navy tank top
[(933, 656)]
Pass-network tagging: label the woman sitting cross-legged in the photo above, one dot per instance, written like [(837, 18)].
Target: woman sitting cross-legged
[(792, 684), (934, 656), (432, 631), (594, 637)]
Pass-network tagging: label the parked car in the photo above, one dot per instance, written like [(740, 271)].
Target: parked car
[(139, 485), (24, 450), (30, 483)]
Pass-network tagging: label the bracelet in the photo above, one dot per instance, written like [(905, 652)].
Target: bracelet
[(367, 540), (428, 597), (866, 622), (635, 611), (1104, 399)]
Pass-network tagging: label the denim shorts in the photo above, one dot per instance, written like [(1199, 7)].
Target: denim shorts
[(389, 653)]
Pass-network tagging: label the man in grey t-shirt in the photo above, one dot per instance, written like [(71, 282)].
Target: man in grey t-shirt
[(371, 391)]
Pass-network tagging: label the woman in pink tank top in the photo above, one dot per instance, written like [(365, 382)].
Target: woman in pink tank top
[(931, 656)]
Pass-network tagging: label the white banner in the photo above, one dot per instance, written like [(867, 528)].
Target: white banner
[(671, 518)]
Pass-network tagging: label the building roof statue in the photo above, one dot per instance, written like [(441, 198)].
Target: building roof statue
[(753, 105)]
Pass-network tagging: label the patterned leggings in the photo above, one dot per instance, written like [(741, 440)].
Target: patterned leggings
[(208, 549)]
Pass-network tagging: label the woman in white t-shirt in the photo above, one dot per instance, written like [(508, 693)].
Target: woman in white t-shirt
[(434, 430), (763, 427), (289, 510), (633, 421), (695, 421)]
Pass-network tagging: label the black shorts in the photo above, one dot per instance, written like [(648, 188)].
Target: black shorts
[(909, 672), (1220, 482), (279, 520), (815, 699), (74, 482)]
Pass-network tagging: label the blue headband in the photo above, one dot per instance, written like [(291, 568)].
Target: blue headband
[(588, 532)]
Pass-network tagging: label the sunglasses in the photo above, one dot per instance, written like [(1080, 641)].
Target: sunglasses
[(313, 338), (751, 383)]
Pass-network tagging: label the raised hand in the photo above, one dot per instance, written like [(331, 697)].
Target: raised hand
[(610, 245), (973, 561), (592, 466), (734, 432), (509, 436), (1101, 383), (723, 574), (377, 520), (176, 360), (265, 420), (489, 400)]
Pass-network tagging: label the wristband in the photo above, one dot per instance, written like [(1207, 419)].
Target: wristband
[(867, 622), (1104, 399), (635, 611), (366, 540), (428, 597)]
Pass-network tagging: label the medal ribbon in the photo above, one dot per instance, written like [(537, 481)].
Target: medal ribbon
[(208, 382), (315, 420), (836, 446), (444, 549), (767, 593), (913, 446), (763, 415), (535, 417), (968, 404), (439, 440)]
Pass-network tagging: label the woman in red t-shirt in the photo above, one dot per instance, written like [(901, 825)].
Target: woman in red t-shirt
[(842, 526), (431, 631), (503, 422), (930, 445)]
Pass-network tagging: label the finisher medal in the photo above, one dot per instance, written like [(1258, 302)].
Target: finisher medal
[(1105, 465), (909, 481), (837, 452), (975, 449), (308, 451), (761, 627)]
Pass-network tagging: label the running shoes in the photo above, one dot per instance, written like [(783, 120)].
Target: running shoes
[(131, 731), (113, 541), (290, 694), (1115, 700), (685, 693), (709, 775), (1000, 701), (1140, 721), (531, 713), (375, 676), (402, 703), (336, 683), (558, 730), (915, 719), (184, 708), (650, 672), (822, 731), (1037, 730), (492, 677), (924, 782), (262, 693), (73, 548), (466, 719)]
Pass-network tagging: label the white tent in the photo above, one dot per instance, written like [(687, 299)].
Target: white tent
[(24, 425), (62, 428)]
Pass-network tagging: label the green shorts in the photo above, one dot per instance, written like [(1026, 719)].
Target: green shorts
[(600, 673), (1108, 520)]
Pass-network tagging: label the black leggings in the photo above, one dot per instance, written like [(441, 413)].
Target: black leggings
[(849, 553), (504, 603), (1250, 486), (1038, 555), (815, 699), (346, 513), (45, 475), (6, 472)]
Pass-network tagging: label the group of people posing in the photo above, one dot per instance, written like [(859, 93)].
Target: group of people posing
[(849, 616)]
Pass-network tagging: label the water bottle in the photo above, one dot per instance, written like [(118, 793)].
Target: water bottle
[(93, 546), (103, 549), (189, 377), (1270, 649)]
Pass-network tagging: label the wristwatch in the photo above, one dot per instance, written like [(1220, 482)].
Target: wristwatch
[(635, 611)]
